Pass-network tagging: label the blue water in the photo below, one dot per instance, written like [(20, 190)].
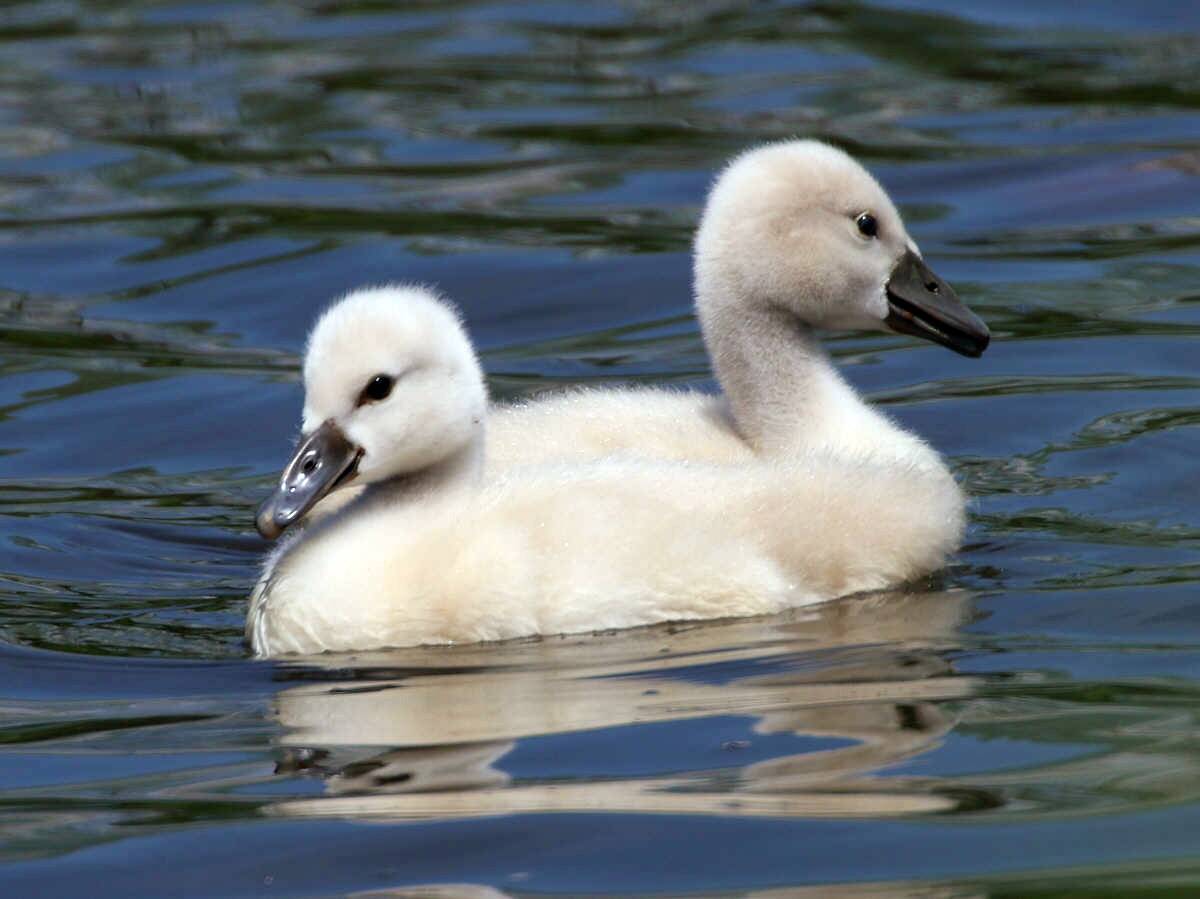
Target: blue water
[(183, 186)]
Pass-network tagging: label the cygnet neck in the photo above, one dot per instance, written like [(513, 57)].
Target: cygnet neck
[(461, 468), (784, 391)]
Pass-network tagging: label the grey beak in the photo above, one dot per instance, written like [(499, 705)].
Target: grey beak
[(923, 305), (325, 459)]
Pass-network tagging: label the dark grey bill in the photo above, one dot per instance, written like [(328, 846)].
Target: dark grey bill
[(324, 460), (923, 305)]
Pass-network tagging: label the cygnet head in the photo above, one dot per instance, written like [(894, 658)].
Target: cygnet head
[(799, 226), (391, 388)]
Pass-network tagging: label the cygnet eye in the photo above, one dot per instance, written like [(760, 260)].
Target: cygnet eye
[(378, 388), (867, 225)]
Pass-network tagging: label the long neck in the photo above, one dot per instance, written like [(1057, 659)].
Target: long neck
[(775, 374), (784, 392)]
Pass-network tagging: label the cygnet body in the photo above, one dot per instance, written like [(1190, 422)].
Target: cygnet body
[(430, 553)]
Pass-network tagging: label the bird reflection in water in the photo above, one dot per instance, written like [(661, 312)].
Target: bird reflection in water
[(420, 733)]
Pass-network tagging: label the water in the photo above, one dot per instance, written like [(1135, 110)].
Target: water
[(182, 186)]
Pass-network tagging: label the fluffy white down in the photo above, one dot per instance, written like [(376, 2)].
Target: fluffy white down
[(562, 549), (616, 508), (777, 233), (436, 556)]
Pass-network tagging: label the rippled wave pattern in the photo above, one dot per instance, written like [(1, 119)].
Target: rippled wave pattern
[(182, 186)]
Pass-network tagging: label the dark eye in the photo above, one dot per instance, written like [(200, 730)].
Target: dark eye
[(867, 225), (377, 389)]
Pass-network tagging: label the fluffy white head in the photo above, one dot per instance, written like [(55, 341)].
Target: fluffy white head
[(781, 229), (408, 337)]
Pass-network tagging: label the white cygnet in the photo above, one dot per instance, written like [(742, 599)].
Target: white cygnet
[(432, 552)]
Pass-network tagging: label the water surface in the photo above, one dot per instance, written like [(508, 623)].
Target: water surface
[(183, 186)]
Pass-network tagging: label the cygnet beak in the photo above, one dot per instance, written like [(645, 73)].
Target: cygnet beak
[(923, 305), (324, 460)]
